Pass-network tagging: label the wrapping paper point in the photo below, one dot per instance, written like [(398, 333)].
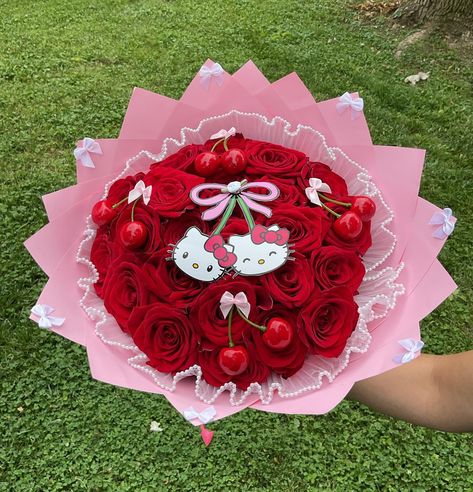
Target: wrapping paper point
[(206, 434)]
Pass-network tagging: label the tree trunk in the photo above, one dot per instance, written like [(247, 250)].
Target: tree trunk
[(425, 10)]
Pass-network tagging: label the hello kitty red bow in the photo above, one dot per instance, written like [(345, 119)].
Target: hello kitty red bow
[(261, 234), (215, 245)]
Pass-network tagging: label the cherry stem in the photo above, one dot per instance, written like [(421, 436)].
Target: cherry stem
[(261, 328), (343, 204), (133, 210), (225, 217), (246, 213), (225, 145), (330, 210), (120, 202), (215, 145), (230, 318)]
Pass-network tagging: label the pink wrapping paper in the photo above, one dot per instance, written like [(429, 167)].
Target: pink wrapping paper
[(150, 118)]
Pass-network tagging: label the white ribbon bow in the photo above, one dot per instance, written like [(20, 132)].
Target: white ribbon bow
[(140, 190), (412, 347), (347, 101), (316, 185), (444, 220), (207, 73), (223, 134), (82, 154), (240, 301), (43, 311), (205, 416)]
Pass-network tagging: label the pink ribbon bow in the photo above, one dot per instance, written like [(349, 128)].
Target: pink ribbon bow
[(221, 200), (261, 234), (224, 133), (206, 74), (346, 101), (240, 301), (140, 190), (215, 245), (82, 154)]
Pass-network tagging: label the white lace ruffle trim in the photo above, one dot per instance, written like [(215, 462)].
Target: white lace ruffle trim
[(378, 291)]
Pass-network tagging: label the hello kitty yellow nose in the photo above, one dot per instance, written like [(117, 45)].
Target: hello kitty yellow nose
[(261, 261), (195, 266)]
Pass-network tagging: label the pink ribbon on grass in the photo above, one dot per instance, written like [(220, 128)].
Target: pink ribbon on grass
[(219, 202)]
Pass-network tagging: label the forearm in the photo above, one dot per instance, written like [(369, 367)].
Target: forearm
[(433, 390)]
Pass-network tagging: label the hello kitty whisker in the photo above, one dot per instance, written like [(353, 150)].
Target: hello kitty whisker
[(291, 250), (169, 251), (291, 245), (172, 244), (291, 258), (169, 258)]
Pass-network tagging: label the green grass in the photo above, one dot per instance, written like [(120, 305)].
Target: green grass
[(67, 70)]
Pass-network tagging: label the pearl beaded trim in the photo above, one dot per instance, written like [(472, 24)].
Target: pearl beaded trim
[(378, 289)]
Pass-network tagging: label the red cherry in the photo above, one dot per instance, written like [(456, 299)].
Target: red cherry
[(234, 161), (278, 334), (348, 225), (103, 213), (207, 163), (133, 234), (364, 206), (233, 360)]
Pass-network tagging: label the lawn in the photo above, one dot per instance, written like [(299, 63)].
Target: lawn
[(67, 70)]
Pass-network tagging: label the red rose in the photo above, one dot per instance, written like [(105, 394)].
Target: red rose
[(120, 189), (123, 289), (291, 284), (174, 230), (148, 217), (235, 226), (256, 371), (171, 188), (101, 256), (183, 159), (274, 160), (165, 335), (359, 245), (286, 361), (168, 283), (307, 225), (289, 191), (207, 318), (327, 320), (337, 267), (322, 171)]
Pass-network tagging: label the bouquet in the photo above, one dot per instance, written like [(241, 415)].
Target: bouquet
[(244, 246)]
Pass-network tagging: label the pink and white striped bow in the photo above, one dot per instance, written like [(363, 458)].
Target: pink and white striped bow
[(82, 154), (240, 301), (140, 190), (348, 101), (219, 202), (206, 74)]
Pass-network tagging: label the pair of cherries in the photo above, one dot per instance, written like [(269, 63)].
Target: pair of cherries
[(234, 360), (232, 161), (349, 225), (132, 234)]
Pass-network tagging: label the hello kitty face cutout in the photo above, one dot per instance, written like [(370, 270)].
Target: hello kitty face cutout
[(195, 256), (261, 251)]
